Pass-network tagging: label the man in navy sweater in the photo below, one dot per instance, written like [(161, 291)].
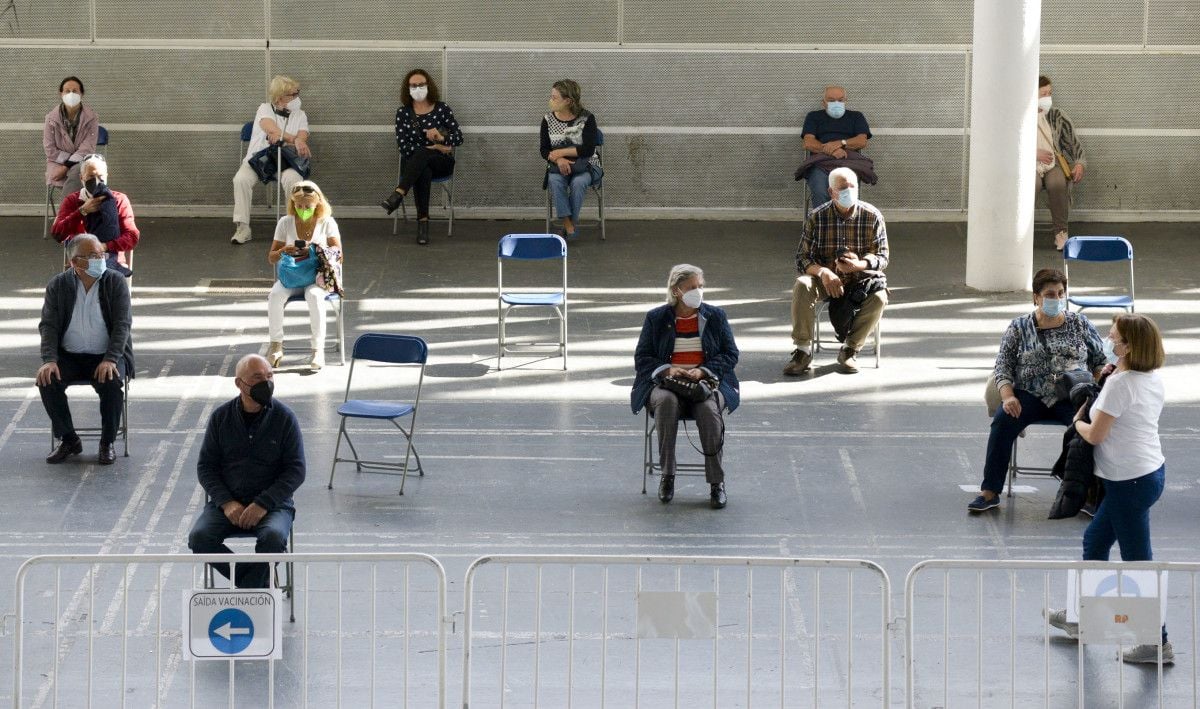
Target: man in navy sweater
[(251, 463)]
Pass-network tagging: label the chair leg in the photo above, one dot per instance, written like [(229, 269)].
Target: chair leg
[(450, 196), (354, 451), (1012, 469), (548, 208), (341, 326), (600, 204), (878, 344), (646, 454), (125, 415), (337, 447)]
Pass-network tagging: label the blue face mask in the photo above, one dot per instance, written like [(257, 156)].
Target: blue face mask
[(97, 266), (1110, 352), (1053, 307), (836, 109), (847, 197)]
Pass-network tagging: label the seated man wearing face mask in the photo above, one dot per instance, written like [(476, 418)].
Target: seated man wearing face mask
[(101, 212), (841, 257), (834, 137), (250, 465)]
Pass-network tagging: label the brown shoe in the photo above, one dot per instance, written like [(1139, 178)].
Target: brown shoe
[(65, 450), (848, 358), (799, 364)]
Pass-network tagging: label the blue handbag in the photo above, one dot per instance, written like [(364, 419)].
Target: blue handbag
[(297, 274)]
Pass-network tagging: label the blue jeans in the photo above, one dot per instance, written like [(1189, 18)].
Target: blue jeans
[(568, 205), (1124, 517), (818, 184), (212, 528), (1005, 430)]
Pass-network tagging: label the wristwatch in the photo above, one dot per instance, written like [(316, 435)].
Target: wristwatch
[(843, 142)]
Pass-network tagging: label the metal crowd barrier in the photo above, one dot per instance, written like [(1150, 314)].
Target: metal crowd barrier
[(106, 630), (976, 634), (657, 631)]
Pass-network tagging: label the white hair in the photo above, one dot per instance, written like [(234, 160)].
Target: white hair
[(843, 173), (94, 159), (680, 273), (79, 240)]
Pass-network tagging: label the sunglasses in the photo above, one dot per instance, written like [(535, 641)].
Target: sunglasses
[(305, 189)]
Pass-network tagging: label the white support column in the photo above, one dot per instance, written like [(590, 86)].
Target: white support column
[(1000, 198)]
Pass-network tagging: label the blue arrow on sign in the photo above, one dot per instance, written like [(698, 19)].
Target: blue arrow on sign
[(230, 631)]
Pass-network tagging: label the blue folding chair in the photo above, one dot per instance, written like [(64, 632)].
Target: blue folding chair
[(531, 247), (1099, 249), (51, 211), (384, 349), (597, 187), (247, 132), (447, 184)]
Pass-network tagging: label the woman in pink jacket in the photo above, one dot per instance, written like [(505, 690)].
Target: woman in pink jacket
[(69, 133)]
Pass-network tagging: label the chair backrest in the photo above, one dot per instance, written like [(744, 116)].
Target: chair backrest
[(389, 348), (1097, 248), (102, 137), (532, 247), (247, 131)]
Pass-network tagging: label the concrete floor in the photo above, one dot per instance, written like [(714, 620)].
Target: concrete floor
[(537, 460)]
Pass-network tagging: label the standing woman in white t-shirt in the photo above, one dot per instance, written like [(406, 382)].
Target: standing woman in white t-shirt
[(309, 219), (1128, 456), (278, 120)]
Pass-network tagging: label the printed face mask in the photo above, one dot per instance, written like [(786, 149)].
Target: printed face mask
[(693, 298), (71, 99), (305, 213), (1053, 307), (836, 109)]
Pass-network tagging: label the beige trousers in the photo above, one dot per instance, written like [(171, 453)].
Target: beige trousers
[(808, 291)]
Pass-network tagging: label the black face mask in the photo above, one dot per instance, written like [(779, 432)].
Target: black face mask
[(94, 186), (285, 112), (261, 392)]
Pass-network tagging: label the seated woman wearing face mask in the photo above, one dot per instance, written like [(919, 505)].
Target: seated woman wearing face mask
[(69, 132), (310, 220), (1034, 349), (95, 209), (278, 121), (426, 134), (689, 340), (569, 135)]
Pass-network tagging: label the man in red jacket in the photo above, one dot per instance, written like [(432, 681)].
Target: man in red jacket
[(100, 211)]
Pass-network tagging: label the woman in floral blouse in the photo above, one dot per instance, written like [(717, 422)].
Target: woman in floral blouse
[(1035, 348), (426, 134)]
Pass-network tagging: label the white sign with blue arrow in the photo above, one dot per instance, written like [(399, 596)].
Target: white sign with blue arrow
[(233, 625)]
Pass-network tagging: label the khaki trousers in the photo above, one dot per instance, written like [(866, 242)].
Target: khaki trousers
[(808, 291)]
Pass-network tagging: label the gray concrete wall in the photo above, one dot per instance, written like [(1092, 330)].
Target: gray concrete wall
[(701, 101)]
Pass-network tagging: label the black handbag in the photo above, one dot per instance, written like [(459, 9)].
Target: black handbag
[(689, 389)]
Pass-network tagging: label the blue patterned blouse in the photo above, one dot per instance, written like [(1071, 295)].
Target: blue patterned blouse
[(1029, 358)]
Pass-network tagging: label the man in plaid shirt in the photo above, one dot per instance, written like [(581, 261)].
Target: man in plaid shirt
[(844, 242)]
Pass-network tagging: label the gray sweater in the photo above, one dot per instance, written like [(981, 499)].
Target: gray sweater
[(114, 305)]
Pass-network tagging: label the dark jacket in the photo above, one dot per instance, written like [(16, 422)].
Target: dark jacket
[(1076, 465), (265, 468), (59, 305), (657, 343)]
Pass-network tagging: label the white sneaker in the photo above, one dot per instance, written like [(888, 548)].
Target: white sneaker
[(1148, 654), (317, 361), (1058, 619), (242, 234)]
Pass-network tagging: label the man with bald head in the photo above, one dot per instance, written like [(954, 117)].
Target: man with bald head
[(837, 134), (251, 463)]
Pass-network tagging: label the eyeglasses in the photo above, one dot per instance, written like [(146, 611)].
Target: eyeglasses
[(418, 86), (293, 94), (304, 188)]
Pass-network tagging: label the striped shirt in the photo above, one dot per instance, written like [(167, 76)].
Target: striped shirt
[(826, 231), (688, 353)]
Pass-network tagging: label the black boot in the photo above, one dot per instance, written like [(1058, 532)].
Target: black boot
[(666, 488), (392, 203), (422, 231), (716, 498)]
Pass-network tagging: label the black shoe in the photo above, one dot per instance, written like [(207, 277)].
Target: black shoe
[(423, 232), (666, 489), (716, 498), (392, 203), (107, 455), (65, 450)]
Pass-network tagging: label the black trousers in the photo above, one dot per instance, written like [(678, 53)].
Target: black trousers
[(418, 171), (76, 367)]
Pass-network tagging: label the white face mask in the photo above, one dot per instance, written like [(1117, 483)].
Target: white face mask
[(294, 105), (71, 99), (693, 298), (1044, 104), (418, 93)]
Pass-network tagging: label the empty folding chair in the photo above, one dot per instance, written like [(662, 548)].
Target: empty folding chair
[(1099, 249), (531, 247), (386, 349)]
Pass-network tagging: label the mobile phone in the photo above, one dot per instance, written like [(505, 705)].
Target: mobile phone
[(298, 243), (842, 251)]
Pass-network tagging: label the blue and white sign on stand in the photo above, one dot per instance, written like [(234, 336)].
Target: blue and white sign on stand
[(233, 624)]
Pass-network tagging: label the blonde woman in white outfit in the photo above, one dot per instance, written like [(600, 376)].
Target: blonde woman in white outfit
[(309, 219), (279, 119)]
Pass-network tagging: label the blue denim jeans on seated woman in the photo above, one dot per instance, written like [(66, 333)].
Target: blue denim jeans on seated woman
[(1124, 517), (1005, 430), (568, 205)]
